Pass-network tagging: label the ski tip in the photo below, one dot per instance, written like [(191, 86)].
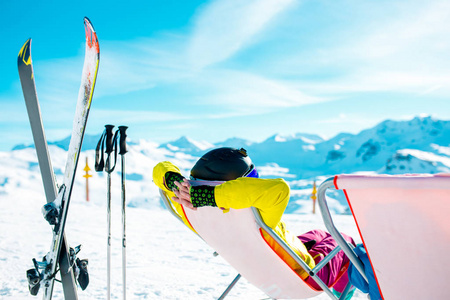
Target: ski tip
[(25, 53), (86, 20), (91, 35)]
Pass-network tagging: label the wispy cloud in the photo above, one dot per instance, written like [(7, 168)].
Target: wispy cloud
[(367, 46), (403, 51), (345, 118), (223, 27), (136, 117), (143, 63), (58, 80), (248, 93)]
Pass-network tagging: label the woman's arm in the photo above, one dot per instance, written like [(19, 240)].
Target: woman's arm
[(270, 196)]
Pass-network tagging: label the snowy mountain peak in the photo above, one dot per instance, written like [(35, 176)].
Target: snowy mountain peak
[(309, 138), (424, 118), (280, 138), (417, 133), (89, 143), (303, 137), (420, 122), (235, 143), (188, 145)]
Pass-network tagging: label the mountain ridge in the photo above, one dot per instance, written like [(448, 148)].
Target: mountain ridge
[(421, 144)]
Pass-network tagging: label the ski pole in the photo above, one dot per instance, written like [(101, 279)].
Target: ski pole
[(107, 144), (123, 150), (108, 169)]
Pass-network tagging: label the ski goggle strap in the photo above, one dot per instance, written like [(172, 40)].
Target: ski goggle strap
[(252, 173)]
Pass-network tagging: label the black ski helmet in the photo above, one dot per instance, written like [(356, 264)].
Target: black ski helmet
[(223, 164)]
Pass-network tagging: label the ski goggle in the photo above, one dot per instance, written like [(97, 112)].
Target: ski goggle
[(252, 173)]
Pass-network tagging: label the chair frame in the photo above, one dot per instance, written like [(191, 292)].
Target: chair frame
[(329, 224)]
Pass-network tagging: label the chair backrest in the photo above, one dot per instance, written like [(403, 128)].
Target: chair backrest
[(236, 236), (404, 224)]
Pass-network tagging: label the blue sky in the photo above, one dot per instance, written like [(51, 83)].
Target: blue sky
[(212, 70)]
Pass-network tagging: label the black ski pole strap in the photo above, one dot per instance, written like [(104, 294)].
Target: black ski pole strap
[(99, 161), (107, 146), (113, 149)]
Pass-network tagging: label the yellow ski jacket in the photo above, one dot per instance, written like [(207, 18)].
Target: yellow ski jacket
[(269, 196)]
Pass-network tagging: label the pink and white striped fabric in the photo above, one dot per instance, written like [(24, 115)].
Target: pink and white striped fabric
[(404, 222)]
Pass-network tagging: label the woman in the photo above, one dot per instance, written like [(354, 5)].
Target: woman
[(242, 188)]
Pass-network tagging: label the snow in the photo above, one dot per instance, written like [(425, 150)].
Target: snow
[(440, 149), (164, 259), (425, 156), (274, 170)]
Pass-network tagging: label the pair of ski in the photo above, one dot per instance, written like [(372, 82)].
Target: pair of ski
[(108, 145), (58, 201)]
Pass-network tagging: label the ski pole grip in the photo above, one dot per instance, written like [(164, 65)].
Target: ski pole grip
[(122, 141), (109, 138)]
